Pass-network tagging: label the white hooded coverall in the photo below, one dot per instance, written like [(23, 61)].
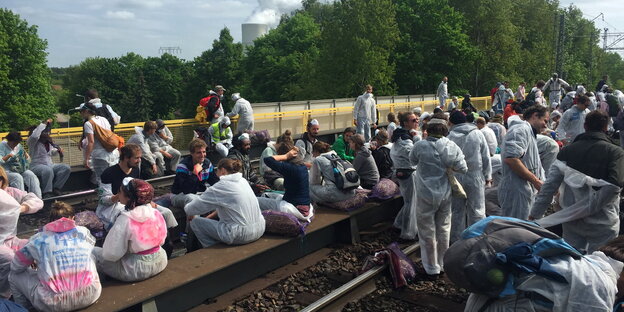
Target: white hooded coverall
[(589, 207), (433, 157), (571, 124), (515, 194), (406, 218), (365, 114), (66, 278), (476, 152), (132, 251), (245, 118), (240, 219)]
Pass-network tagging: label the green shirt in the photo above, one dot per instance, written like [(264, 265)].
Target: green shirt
[(342, 149)]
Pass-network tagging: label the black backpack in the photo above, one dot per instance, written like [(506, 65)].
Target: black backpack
[(614, 106), (530, 99), (104, 112), (345, 176)]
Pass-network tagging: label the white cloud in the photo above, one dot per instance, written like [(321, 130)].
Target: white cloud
[(144, 4), (120, 15)]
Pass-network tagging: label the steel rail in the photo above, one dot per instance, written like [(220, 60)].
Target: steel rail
[(352, 284)]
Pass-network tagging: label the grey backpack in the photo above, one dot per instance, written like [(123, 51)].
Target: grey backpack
[(345, 176)]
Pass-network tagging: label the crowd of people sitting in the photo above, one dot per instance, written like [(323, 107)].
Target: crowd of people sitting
[(452, 167)]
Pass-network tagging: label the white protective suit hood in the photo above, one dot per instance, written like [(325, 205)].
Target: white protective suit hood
[(140, 213), (512, 120)]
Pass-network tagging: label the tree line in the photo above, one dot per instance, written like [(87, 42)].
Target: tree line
[(323, 50)]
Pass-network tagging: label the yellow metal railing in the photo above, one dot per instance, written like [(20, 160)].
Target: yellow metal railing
[(275, 122)]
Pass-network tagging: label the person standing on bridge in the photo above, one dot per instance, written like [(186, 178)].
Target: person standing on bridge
[(365, 113), (555, 85), (307, 141), (243, 109), (52, 177), (92, 96), (213, 104), (442, 92), (96, 157)]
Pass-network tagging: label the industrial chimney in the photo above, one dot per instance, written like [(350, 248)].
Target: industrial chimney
[(251, 31)]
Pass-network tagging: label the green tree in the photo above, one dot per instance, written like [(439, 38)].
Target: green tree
[(164, 80), (279, 65), (433, 45), (357, 41), (220, 65), (25, 97)]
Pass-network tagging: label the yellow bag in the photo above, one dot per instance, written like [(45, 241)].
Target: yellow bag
[(201, 114)]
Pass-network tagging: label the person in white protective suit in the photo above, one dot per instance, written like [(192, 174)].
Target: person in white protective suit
[(496, 124), (593, 102), (129, 254), (555, 85), (488, 134), (403, 139), (593, 284), (160, 144), (442, 92), (568, 100), (65, 278), (151, 165), (221, 135), (522, 168), (322, 186), (365, 113), (13, 202), (473, 144), (588, 175), (571, 123), (235, 217), (434, 159), (548, 150), (243, 109)]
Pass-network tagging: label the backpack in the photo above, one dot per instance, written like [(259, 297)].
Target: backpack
[(210, 109), (613, 105), (104, 112), (530, 98), (482, 261), (345, 176), (109, 140)]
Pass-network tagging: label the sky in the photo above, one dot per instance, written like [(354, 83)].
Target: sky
[(76, 30)]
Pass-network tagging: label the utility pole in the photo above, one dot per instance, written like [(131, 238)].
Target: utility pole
[(560, 44), (604, 39)]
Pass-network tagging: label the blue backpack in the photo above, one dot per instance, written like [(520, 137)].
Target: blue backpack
[(491, 252)]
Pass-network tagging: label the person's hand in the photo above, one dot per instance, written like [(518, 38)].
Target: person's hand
[(292, 153), (212, 215), (166, 154), (262, 187), (531, 218), (60, 149), (374, 126), (24, 208), (197, 168), (354, 122), (86, 164), (80, 147), (162, 135), (27, 156), (154, 168), (537, 184), (7, 157), (488, 183)]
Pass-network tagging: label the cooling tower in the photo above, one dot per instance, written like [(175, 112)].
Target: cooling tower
[(251, 31)]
